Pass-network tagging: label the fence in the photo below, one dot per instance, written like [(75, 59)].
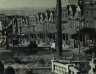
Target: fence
[(59, 67)]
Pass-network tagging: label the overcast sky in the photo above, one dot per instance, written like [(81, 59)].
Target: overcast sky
[(29, 3)]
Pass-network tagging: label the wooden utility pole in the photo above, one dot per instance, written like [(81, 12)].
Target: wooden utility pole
[(59, 31)]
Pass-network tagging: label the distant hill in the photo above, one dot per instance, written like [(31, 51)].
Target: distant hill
[(25, 10)]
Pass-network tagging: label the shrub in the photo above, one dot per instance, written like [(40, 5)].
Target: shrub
[(9, 70)]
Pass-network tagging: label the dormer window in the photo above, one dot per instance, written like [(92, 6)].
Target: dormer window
[(0, 25), (51, 16), (46, 14), (26, 21), (46, 17), (91, 12), (87, 12), (23, 21), (79, 14), (41, 17), (38, 17)]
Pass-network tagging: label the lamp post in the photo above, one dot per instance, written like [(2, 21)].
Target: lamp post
[(59, 32), (95, 30), (12, 35), (79, 20)]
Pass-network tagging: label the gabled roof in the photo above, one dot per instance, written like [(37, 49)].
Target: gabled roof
[(73, 9), (39, 15), (48, 13), (54, 14), (43, 14)]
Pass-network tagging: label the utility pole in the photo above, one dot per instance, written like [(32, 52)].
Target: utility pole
[(59, 31)]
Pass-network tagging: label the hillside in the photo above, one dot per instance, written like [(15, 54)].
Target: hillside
[(24, 11)]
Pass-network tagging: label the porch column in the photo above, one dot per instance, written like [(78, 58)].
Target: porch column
[(74, 43), (66, 38)]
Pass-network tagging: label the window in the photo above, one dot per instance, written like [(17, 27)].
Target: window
[(87, 12), (87, 23), (79, 14), (48, 26), (91, 12), (65, 15)]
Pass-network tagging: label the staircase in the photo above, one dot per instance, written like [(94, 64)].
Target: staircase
[(3, 40), (10, 23)]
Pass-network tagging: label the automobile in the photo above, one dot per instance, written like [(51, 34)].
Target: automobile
[(32, 48)]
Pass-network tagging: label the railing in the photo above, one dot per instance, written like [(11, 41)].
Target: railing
[(65, 67), (10, 23), (59, 68)]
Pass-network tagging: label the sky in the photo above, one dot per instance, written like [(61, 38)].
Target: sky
[(29, 3)]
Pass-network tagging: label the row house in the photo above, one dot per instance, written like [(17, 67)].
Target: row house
[(90, 21), (73, 2), (45, 26), (2, 20), (74, 16), (73, 23), (32, 23), (48, 16), (41, 25), (17, 27), (0, 31), (90, 15), (23, 28), (82, 15), (46, 23)]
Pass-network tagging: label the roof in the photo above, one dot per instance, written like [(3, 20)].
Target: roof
[(43, 14), (48, 13), (39, 14)]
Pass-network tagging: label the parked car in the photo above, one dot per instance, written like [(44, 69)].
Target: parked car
[(32, 48)]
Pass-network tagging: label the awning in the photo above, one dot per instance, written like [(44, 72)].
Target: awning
[(43, 32), (70, 31), (89, 31)]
